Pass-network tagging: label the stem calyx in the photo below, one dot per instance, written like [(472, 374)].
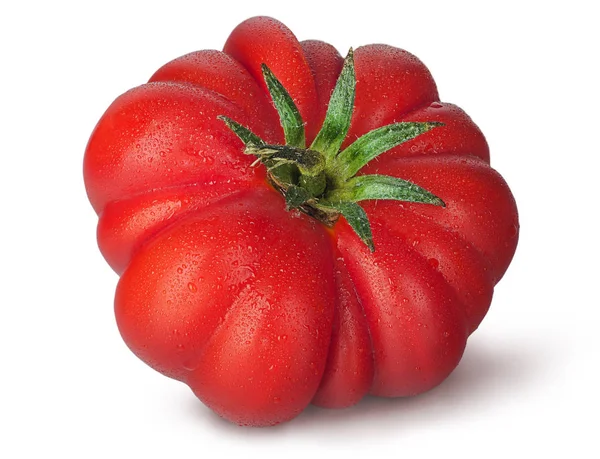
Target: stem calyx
[(321, 180)]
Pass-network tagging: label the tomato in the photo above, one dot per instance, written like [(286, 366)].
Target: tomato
[(267, 287)]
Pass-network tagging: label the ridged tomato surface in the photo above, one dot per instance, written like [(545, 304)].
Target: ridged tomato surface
[(263, 311)]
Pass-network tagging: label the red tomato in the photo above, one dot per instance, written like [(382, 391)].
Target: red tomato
[(262, 311)]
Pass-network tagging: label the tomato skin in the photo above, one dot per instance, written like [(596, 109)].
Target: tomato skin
[(325, 64), (161, 135), (261, 311), (458, 136), (349, 370), (217, 71), (479, 204), (215, 302), (417, 328), (127, 223), (390, 82), (265, 40)]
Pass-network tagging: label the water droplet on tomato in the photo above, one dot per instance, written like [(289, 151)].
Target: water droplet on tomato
[(434, 262), (192, 287)]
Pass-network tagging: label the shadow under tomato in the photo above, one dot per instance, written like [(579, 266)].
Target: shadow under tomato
[(487, 377)]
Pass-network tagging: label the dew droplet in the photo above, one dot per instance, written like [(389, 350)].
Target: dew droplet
[(434, 262)]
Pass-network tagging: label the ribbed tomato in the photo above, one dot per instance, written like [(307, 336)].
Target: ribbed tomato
[(263, 310)]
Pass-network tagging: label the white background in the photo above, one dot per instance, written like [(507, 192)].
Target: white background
[(528, 384)]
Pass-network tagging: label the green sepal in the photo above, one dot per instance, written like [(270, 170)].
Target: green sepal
[(285, 173), (309, 162), (339, 112), (374, 143), (356, 218), (295, 196), (245, 134), (289, 116), (365, 187)]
